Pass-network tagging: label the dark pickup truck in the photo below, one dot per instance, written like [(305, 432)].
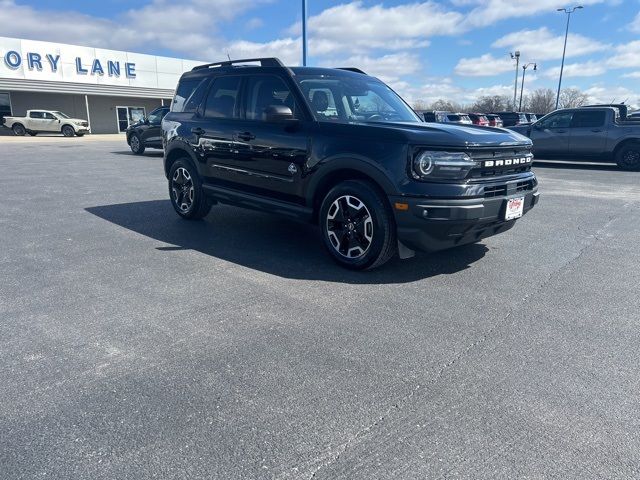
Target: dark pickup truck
[(602, 133), (339, 148)]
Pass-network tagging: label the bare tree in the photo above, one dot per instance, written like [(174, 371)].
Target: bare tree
[(445, 105), (541, 100), (572, 98), (419, 105), (491, 103)]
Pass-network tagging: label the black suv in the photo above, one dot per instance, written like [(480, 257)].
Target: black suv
[(341, 149), (148, 132)]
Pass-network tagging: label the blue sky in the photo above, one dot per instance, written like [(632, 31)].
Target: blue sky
[(455, 49)]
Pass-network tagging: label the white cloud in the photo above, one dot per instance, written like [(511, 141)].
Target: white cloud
[(634, 26), (542, 44), (389, 68), (609, 94), (626, 56), (587, 69), (484, 66), (632, 75)]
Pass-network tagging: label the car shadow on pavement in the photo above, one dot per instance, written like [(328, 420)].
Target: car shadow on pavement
[(148, 153), (271, 244)]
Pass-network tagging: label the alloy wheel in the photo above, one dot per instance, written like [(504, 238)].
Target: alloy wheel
[(135, 143), (349, 226), (182, 189), (631, 158)]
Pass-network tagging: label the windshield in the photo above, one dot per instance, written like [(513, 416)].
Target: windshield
[(63, 115), (342, 99)]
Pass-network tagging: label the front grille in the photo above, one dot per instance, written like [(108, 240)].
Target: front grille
[(504, 161), (525, 186), (84, 124), (495, 191), (491, 191)]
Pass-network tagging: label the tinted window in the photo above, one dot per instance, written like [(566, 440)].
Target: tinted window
[(194, 101), (156, 116), (183, 92), (558, 120), (36, 115), (222, 98), (588, 119), (264, 91), (429, 117)]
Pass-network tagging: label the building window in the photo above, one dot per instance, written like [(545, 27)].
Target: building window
[(128, 115), (5, 105)]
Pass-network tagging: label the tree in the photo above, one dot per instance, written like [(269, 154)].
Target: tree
[(446, 105), (541, 100), (491, 103), (419, 105), (572, 98)]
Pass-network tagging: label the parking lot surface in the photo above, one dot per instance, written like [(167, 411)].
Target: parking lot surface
[(138, 345)]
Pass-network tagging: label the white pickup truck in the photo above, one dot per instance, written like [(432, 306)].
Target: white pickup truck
[(38, 121)]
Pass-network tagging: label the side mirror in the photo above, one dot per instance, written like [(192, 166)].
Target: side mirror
[(278, 113)]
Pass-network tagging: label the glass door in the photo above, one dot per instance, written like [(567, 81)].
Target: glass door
[(128, 115)]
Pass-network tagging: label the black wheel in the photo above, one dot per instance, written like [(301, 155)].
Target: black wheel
[(628, 157), (185, 189), (357, 225), (68, 131), (136, 144), (33, 134), (19, 130)]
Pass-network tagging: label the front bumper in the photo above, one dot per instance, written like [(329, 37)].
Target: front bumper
[(430, 224)]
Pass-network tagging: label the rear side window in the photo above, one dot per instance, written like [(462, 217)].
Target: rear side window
[(222, 100), (185, 88), (36, 115), (588, 119)]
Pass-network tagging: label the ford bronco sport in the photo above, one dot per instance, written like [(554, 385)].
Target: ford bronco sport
[(341, 149)]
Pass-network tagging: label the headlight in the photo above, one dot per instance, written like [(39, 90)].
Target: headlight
[(441, 165)]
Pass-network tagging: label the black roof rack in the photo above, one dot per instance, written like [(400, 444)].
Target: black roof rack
[(352, 69), (264, 62)]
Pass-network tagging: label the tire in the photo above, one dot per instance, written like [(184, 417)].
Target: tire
[(68, 131), (136, 144), (628, 157), (19, 130), (357, 225), (186, 192)]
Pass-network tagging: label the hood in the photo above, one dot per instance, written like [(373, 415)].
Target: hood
[(441, 134)]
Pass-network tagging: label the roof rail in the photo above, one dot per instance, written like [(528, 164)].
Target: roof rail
[(264, 62), (352, 69)]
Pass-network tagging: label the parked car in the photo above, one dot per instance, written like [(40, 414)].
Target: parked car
[(446, 117), (38, 121), (146, 133), (479, 119), (531, 117), (341, 149), (510, 119), (587, 133), (494, 120), (634, 116)]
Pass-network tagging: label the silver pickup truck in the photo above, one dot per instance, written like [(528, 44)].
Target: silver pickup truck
[(591, 133), (37, 121)]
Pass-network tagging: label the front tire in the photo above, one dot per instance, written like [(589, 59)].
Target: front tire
[(68, 131), (136, 145), (357, 225), (628, 157), (19, 130), (186, 192)]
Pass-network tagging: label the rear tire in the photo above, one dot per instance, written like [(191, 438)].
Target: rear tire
[(628, 157), (186, 192), (19, 130), (357, 225), (136, 144), (68, 131)]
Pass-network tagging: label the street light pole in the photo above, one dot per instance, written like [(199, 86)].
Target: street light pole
[(564, 50), (304, 33), (524, 71), (516, 56)]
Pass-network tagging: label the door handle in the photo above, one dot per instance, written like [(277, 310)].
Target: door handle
[(246, 136), (197, 131)]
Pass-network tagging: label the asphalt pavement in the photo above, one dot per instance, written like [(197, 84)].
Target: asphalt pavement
[(136, 345)]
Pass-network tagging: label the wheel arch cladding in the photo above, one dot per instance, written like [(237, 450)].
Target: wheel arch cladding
[(175, 154)]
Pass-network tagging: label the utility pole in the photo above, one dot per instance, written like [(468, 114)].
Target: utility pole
[(516, 57), (564, 51), (524, 71), (304, 33)]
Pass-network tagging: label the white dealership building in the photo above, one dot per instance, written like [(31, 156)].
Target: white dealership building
[(109, 88)]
